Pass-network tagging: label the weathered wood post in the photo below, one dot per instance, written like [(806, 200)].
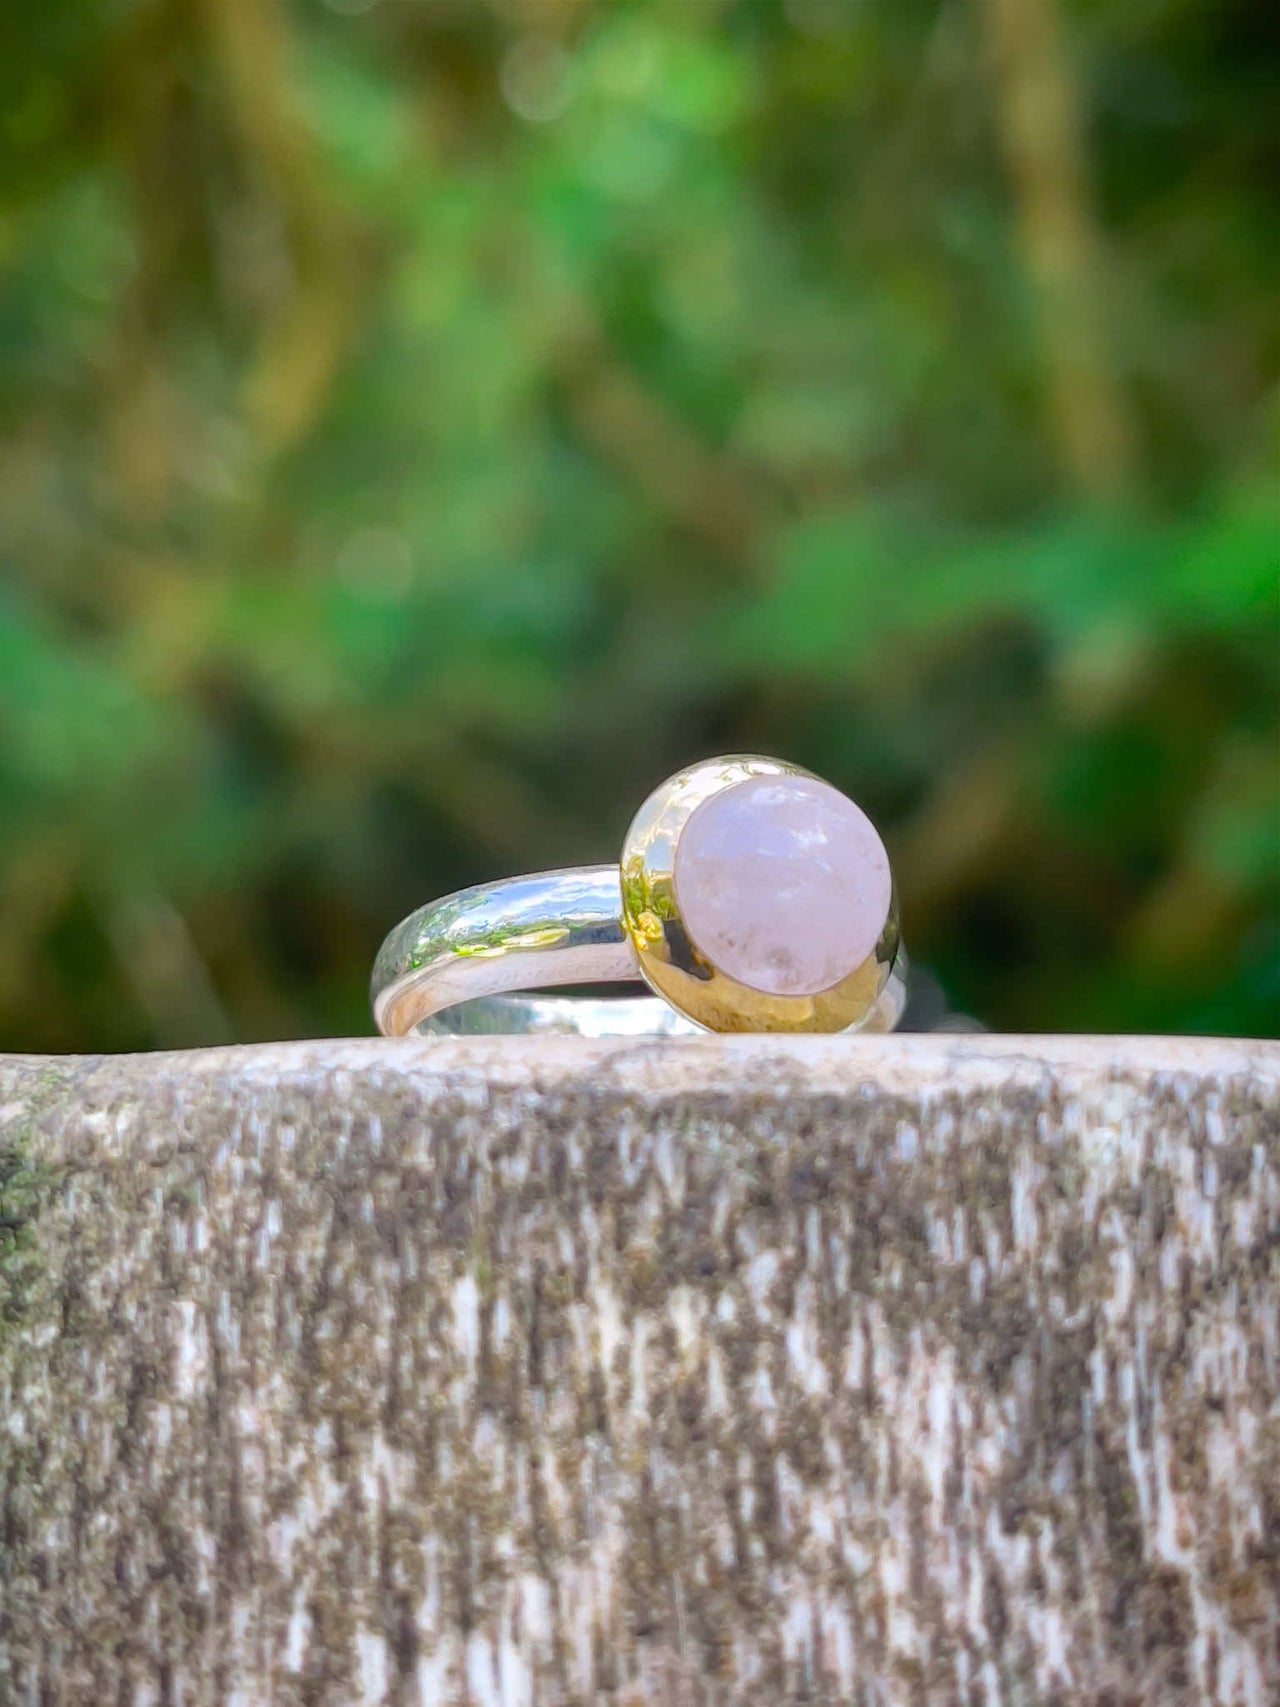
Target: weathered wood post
[(904, 1370)]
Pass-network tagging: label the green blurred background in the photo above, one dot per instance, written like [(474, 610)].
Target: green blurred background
[(424, 424)]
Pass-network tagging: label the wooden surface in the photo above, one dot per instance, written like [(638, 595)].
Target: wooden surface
[(896, 1371)]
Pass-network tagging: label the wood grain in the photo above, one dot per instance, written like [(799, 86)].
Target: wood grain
[(894, 1371)]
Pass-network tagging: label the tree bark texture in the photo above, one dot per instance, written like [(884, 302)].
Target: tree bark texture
[(510, 1371)]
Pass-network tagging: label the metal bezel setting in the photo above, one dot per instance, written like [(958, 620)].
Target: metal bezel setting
[(672, 964)]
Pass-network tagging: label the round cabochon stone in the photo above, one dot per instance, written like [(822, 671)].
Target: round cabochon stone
[(783, 884)]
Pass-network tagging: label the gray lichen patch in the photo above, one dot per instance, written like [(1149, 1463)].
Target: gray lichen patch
[(28, 1179), (652, 1375)]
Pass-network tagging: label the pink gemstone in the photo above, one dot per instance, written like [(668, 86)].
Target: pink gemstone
[(783, 884)]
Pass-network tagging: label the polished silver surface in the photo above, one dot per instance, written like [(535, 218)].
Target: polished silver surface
[(522, 933), (560, 1016), (450, 967)]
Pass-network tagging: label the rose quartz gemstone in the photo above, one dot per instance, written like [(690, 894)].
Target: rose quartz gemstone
[(783, 884)]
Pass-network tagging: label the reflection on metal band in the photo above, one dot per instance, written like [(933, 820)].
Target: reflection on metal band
[(560, 1016), (522, 933)]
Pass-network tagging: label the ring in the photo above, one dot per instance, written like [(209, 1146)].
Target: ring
[(751, 896)]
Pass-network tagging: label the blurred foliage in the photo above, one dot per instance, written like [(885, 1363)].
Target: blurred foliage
[(424, 424)]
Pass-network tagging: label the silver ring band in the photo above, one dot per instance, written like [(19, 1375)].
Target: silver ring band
[(559, 1016), (451, 967)]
